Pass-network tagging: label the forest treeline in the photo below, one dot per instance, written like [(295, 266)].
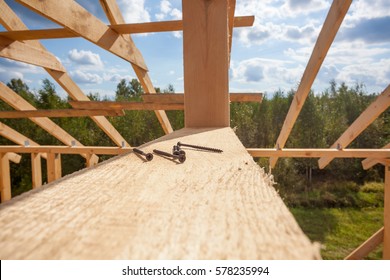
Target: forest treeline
[(324, 117)]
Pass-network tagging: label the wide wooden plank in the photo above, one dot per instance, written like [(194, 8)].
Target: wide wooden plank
[(179, 97), (206, 63), (316, 153), (213, 206), (125, 105), (74, 17), (328, 32), (58, 113), (381, 103), (370, 162), (386, 217), (26, 53), (124, 28), (367, 247)]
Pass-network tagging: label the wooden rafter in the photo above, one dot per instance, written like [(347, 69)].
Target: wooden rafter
[(115, 17), (328, 32), (12, 22), (125, 28), (370, 162), (26, 53), (367, 247), (376, 108), (90, 27), (179, 97), (15, 158), (58, 113), (386, 212), (125, 105), (18, 103)]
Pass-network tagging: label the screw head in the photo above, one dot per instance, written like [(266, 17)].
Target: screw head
[(149, 157), (182, 158)]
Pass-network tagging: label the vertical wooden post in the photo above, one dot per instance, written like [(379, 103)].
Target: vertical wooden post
[(5, 180), (206, 63), (386, 234), (53, 167), (36, 168), (91, 161)]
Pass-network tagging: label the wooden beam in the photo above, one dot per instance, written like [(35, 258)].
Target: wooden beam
[(231, 10), (26, 53), (59, 113), (75, 150), (367, 247), (115, 17), (328, 32), (124, 28), (381, 103), (316, 153), (167, 98), (74, 17), (54, 171), (370, 162), (386, 218), (36, 168), (5, 180), (206, 63), (12, 22), (125, 105), (15, 158), (18, 103)]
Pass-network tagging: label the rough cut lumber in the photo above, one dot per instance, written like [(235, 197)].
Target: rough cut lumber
[(12, 22), (36, 169), (26, 53), (124, 28), (367, 247), (213, 206), (328, 32), (386, 218), (179, 97), (206, 63), (114, 15), (370, 162), (74, 17), (381, 103), (58, 113), (53, 167), (316, 153), (125, 105), (88, 150), (5, 178)]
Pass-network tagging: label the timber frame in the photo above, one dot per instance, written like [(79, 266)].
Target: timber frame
[(21, 44)]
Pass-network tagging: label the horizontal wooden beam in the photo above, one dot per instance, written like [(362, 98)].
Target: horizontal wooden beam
[(179, 97), (367, 247), (125, 105), (66, 150), (58, 113), (370, 162), (127, 28), (316, 153)]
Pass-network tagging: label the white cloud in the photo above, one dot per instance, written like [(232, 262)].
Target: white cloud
[(134, 11), (86, 58), (116, 78), (86, 78), (296, 8)]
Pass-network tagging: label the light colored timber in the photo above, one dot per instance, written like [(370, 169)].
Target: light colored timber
[(88, 150), (12, 22), (126, 208), (125, 105), (370, 162), (5, 178), (315, 153), (206, 63), (328, 32), (367, 247), (26, 53), (18, 103), (15, 158), (54, 170), (386, 218), (179, 97), (58, 113), (124, 28), (231, 10), (68, 14), (381, 103), (36, 169), (114, 15)]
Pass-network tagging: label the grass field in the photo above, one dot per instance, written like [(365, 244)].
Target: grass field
[(340, 230)]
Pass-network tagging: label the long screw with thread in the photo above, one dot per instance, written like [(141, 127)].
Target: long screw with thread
[(181, 157), (180, 144), (148, 156)]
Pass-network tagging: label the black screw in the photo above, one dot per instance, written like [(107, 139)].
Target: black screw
[(181, 158), (177, 151), (199, 147), (148, 156)]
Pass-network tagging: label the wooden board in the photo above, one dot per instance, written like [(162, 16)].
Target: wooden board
[(386, 217), (5, 178), (58, 113), (213, 206), (367, 247), (179, 97), (125, 105), (370, 162), (206, 63)]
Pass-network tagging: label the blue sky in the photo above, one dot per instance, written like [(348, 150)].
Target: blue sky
[(269, 56)]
